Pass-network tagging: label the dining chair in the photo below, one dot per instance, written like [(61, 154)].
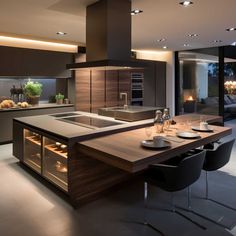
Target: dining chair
[(216, 157), (175, 175)]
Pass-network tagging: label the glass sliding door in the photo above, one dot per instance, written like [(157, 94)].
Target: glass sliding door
[(199, 81), (230, 82)]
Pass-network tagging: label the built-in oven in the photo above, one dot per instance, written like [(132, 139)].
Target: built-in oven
[(137, 88)]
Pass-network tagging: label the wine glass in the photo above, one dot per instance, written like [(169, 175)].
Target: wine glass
[(148, 132)]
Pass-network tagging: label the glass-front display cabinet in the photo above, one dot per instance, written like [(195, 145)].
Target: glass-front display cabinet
[(32, 150), (47, 157), (55, 162)]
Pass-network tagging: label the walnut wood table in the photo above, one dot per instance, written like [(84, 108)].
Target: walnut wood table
[(123, 150)]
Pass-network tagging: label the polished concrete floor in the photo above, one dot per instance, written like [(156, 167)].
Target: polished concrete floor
[(28, 208)]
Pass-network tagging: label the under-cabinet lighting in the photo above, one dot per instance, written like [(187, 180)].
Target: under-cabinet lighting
[(37, 44)]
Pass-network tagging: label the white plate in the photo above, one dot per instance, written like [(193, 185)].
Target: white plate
[(197, 128), (150, 144), (187, 134)]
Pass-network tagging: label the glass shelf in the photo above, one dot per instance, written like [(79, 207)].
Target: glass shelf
[(32, 150), (55, 162)]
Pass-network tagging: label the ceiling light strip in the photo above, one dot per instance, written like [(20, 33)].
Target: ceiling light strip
[(37, 44)]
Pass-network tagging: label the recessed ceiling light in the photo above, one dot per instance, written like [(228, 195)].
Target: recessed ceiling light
[(186, 3), (164, 47), (136, 12), (192, 35), (161, 40), (61, 33), (186, 45), (231, 29), (217, 41)]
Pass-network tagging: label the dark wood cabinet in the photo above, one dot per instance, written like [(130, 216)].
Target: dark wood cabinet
[(97, 90), (82, 89), (155, 84), (112, 88), (124, 85)]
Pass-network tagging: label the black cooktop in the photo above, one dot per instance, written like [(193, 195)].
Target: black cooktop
[(65, 114), (90, 122)]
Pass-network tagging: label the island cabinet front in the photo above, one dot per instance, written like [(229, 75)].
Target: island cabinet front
[(46, 156)]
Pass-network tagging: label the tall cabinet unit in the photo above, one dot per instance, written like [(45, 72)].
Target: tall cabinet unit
[(155, 84)]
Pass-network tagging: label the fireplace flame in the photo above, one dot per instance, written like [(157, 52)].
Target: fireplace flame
[(190, 98)]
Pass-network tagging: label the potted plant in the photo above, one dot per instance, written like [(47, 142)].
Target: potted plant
[(59, 98), (32, 92)]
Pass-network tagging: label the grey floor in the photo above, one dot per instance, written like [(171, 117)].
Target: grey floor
[(27, 207)]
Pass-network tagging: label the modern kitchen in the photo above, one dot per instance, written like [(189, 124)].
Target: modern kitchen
[(98, 138)]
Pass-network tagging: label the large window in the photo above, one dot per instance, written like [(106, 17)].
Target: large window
[(199, 81)]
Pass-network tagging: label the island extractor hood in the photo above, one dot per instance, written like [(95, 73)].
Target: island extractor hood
[(108, 37)]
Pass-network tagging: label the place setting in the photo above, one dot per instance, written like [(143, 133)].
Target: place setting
[(158, 142), (203, 127)]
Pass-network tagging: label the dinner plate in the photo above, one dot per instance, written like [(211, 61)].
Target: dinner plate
[(150, 144), (187, 134), (197, 128)]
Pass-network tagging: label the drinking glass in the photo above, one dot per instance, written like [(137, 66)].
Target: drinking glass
[(188, 124), (148, 132)]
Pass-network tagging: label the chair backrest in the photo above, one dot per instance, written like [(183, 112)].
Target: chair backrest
[(215, 159), (188, 171)]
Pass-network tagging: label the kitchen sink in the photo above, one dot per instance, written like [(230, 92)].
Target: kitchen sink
[(132, 113)]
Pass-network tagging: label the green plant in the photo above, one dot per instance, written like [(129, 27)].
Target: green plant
[(32, 89), (59, 96)]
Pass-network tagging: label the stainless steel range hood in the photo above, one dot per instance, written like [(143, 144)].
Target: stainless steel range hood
[(108, 37)]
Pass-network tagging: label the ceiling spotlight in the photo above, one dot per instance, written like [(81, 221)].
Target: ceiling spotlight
[(61, 33), (231, 29), (186, 45), (136, 12), (233, 44), (161, 40), (217, 41), (192, 35), (164, 47), (186, 3)]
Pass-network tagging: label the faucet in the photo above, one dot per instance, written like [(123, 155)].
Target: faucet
[(126, 99)]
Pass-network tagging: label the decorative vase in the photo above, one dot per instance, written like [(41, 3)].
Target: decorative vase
[(33, 100)]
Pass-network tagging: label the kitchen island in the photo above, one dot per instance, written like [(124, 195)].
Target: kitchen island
[(60, 148)]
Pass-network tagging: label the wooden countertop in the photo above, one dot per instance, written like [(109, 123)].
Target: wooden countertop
[(123, 150)]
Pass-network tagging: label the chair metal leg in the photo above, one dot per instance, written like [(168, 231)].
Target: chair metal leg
[(189, 209), (145, 210), (206, 185)]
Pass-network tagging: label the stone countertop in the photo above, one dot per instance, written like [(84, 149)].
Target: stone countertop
[(39, 106), (77, 133), (69, 131)]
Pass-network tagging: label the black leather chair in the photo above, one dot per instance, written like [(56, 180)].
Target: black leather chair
[(216, 157), (177, 174)]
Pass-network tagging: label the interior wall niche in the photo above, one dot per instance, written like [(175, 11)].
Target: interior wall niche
[(50, 86)]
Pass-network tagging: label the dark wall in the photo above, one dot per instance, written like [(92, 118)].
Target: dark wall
[(32, 62)]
